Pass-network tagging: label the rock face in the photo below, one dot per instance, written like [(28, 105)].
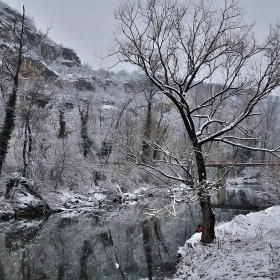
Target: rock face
[(125, 245), (69, 54), (47, 51), (35, 68), (84, 84), (50, 51), (36, 61)]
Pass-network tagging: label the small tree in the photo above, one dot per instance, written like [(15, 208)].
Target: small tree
[(62, 131), (27, 112), (86, 140), (179, 46), (155, 130), (105, 150)]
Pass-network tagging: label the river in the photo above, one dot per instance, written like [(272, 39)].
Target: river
[(127, 244)]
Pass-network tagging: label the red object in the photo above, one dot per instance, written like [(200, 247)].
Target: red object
[(199, 229)]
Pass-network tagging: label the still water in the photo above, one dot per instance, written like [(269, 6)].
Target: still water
[(127, 244)]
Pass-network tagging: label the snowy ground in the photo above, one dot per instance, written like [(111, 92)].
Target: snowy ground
[(248, 247)]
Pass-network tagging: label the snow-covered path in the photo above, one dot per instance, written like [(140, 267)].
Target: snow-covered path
[(248, 247)]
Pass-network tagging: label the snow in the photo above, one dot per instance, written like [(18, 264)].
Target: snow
[(194, 240), (20, 199), (107, 107), (248, 247), (99, 196)]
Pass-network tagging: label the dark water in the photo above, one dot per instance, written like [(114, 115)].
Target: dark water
[(126, 245)]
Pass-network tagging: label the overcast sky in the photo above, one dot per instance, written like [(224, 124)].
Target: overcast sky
[(87, 25)]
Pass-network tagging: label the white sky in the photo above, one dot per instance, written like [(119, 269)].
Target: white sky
[(87, 25)]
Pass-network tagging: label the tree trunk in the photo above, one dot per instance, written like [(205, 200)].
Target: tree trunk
[(8, 127), (86, 140), (27, 147), (10, 114), (146, 148), (208, 233)]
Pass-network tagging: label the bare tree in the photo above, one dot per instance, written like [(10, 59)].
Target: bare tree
[(13, 68), (86, 140), (179, 46), (27, 113)]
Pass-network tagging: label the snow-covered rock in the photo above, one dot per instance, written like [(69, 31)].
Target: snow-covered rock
[(21, 199)]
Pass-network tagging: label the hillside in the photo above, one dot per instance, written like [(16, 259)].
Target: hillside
[(248, 247), (71, 121), (79, 131)]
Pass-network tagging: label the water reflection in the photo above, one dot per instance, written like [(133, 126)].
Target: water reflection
[(237, 195), (126, 245), (234, 200)]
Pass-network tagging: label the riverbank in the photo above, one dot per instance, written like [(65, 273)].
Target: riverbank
[(248, 247)]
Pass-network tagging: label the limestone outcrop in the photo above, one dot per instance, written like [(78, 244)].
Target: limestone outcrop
[(34, 67), (49, 51)]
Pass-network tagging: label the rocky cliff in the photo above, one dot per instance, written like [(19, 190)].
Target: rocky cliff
[(36, 60), (55, 62), (49, 51)]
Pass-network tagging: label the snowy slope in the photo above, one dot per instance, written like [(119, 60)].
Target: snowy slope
[(248, 247)]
